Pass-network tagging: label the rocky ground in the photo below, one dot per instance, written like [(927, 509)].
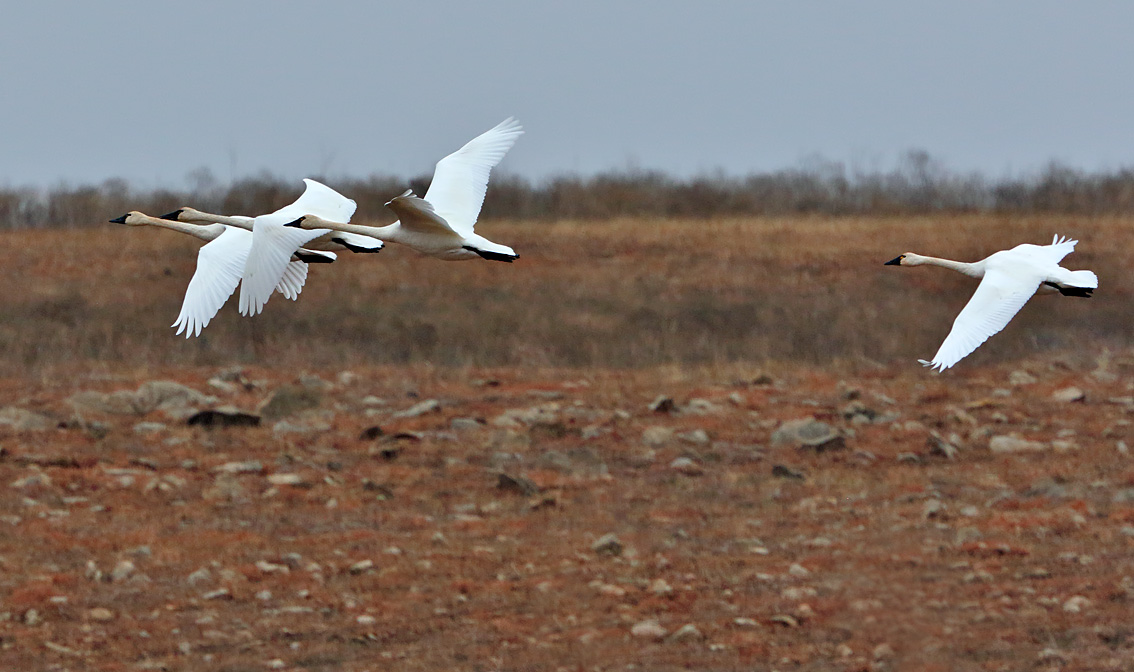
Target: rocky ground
[(424, 519)]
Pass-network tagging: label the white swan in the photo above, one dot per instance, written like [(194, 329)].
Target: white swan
[(1008, 279), (441, 224), (220, 264), (317, 199)]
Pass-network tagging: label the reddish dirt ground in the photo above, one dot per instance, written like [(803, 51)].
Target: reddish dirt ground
[(134, 541)]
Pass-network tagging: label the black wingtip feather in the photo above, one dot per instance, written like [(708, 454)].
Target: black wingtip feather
[(358, 249), (493, 256)]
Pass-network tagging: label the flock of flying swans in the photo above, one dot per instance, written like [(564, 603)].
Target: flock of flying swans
[(270, 253)]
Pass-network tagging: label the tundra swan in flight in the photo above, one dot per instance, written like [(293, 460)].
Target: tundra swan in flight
[(220, 264), (441, 224), (1008, 279), (317, 199)]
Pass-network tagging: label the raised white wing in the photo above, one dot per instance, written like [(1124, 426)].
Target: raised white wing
[(1060, 247), (416, 214), (220, 264), (320, 200), (272, 247), (461, 179), (997, 299)]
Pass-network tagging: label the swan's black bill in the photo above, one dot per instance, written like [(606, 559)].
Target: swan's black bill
[(297, 222), (896, 261), (119, 220), (172, 216)]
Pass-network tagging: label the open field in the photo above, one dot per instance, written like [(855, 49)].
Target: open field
[(624, 293), (978, 520)]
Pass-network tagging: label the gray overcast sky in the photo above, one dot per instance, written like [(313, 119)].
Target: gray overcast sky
[(150, 90)]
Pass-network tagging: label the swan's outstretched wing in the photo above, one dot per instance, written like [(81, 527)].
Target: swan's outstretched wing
[(272, 247), (291, 284), (1000, 295), (461, 179), (320, 200), (416, 214), (220, 264), (1060, 247)]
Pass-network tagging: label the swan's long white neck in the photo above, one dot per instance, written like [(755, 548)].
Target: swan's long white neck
[(973, 270), (388, 232), (203, 232), (208, 218)]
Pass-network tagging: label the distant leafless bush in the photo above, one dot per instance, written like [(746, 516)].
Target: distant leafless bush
[(918, 184)]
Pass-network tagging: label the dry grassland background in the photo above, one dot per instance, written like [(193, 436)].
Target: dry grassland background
[(621, 293)]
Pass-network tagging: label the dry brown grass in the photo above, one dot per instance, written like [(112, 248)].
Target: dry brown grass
[(622, 293)]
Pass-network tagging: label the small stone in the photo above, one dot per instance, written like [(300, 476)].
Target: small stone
[(1014, 444), (1076, 604), (361, 566), (31, 617), (218, 594), (1068, 395), (465, 424), (22, 420), (808, 433), (607, 544), (941, 447), (100, 614), (122, 570), (649, 629), (746, 622), (797, 569), (661, 588), (1021, 377), (245, 467), (686, 633), (686, 466), (92, 572), (697, 437), (271, 567), (59, 648), (202, 575), (662, 404), (285, 479), (883, 652), (932, 509), (366, 619), (276, 664), (785, 620), (149, 427), (701, 407), (418, 409), (657, 436)]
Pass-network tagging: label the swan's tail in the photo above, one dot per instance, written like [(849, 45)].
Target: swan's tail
[(1074, 283), (1080, 279)]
